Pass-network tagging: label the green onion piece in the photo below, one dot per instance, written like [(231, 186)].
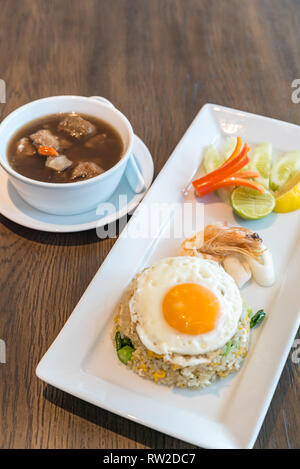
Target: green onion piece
[(248, 308), (126, 341), (125, 354), (122, 341), (118, 340), (227, 348), (257, 319)]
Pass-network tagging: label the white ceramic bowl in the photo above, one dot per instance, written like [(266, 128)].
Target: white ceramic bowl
[(67, 198)]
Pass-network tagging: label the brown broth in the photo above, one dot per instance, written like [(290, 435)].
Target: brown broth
[(105, 155)]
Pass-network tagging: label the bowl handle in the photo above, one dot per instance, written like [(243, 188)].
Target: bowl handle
[(133, 173), (134, 176)]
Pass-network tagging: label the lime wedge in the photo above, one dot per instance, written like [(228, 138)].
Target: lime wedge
[(261, 161), (250, 204), (212, 159), (284, 169)]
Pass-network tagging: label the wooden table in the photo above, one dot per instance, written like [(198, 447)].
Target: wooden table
[(158, 61)]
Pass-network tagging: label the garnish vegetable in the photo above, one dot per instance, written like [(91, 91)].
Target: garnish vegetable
[(257, 319), (229, 174), (124, 348)]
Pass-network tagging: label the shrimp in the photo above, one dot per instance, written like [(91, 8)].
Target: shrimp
[(219, 240), (240, 250), (263, 271), (222, 240), (189, 245), (238, 269), (192, 246)]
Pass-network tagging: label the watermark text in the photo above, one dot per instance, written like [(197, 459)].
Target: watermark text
[(296, 352), (2, 91), (295, 96), (2, 351)]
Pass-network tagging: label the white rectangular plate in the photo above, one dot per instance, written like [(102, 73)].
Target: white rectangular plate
[(228, 414)]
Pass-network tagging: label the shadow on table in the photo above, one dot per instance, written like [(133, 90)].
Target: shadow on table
[(57, 239), (113, 423)]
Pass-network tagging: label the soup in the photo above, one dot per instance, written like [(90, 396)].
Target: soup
[(64, 148)]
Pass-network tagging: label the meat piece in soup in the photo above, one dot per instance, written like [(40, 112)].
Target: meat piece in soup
[(25, 147), (64, 148), (95, 141), (76, 126), (45, 137), (86, 170)]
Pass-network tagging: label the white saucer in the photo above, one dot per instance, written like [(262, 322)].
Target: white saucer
[(13, 207)]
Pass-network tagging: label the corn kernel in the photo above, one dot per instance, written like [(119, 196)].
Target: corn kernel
[(160, 375), (153, 354)]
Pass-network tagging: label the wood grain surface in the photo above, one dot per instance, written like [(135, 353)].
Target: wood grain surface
[(158, 61)]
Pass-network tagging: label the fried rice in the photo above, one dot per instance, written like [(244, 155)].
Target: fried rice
[(159, 368)]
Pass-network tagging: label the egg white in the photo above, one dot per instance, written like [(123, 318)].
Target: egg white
[(146, 305)]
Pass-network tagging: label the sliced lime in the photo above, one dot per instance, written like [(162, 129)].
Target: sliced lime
[(261, 161), (284, 169), (250, 204)]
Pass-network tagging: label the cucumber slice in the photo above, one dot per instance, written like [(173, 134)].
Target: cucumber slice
[(284, 169), (261, 161), (229, 146), (212, 159)]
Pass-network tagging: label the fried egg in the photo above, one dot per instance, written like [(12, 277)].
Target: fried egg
[(185, 306)]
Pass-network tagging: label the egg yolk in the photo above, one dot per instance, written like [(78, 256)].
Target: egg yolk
[(191, 308)]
